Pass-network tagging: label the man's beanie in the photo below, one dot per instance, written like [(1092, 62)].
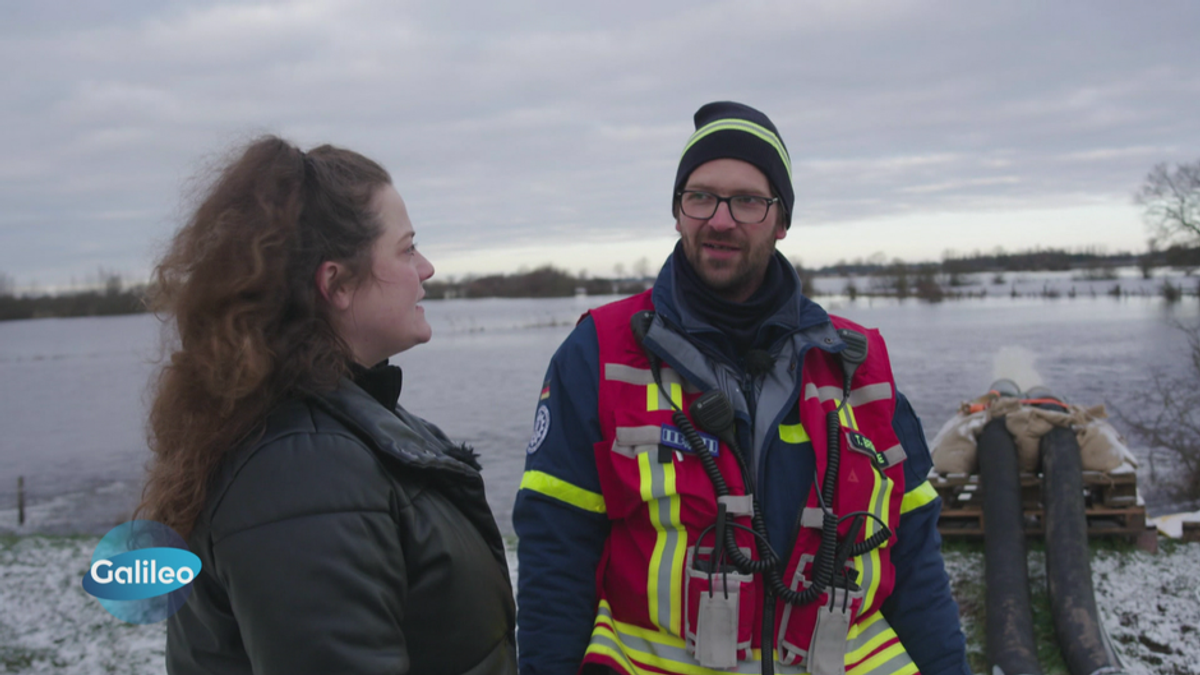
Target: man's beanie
[(732, 130)]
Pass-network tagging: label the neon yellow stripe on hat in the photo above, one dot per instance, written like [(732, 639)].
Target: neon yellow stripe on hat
[(748, 127)]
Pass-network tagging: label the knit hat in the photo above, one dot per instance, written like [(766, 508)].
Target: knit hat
[(725, 129)]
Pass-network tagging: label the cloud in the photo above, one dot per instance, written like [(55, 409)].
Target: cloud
[(538, 124)]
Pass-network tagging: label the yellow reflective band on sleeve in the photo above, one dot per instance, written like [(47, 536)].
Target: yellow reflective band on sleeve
[(793, 433), (918, 497), (544, 483)]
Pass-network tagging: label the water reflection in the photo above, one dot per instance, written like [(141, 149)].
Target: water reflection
[(72, 404)]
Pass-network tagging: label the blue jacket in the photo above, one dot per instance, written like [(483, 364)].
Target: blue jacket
[(561, 541)]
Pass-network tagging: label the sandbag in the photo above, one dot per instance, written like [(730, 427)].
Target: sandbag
[(1027, 426), (1101, 446), (954, 447)]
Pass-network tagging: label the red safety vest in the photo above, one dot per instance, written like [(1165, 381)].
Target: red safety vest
[(652, 597)]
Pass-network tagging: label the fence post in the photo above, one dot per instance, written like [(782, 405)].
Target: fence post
[(20, 500)]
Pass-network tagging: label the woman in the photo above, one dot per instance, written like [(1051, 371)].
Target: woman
[(338, 532)]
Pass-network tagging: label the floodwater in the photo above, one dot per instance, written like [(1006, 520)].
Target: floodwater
[(72, 391)]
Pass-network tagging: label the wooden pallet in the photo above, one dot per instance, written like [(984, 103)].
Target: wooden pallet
[(1110, 502)]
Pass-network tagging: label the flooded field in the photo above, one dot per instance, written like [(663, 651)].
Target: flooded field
[(72, 390)]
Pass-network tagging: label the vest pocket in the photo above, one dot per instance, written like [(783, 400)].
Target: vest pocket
[(720, 608), (815, 635)]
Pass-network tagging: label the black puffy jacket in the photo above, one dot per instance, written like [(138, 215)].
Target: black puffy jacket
[(346, 539)]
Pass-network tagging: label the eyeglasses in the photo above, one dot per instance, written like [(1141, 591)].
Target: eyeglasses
[(745, 209)]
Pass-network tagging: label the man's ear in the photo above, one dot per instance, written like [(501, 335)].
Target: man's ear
[(331, 278)]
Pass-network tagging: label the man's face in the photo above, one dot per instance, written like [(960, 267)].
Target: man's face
[(730, 257)]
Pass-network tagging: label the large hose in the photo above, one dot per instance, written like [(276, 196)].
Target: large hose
[(1011, 649), (1081, 637)]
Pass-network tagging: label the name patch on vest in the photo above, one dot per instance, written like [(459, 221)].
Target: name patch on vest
[(672, 437), (864, 445)]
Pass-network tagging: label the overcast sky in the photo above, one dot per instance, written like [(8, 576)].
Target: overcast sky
[(525, 132)]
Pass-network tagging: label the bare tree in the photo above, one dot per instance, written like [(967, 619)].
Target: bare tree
[(1167, 418), (7, 285), (641, 268), (1171, 199)]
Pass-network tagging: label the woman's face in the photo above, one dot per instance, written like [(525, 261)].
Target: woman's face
[(382, 317)]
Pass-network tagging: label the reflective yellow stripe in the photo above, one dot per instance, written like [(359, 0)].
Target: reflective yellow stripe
[(637, 648), (544, 483), (864, 625), (664, 578), (891, 661), (654, 400), (884, 511), (615, 654), (869, 564), (847, 417), (918, 497), (748, 127), (871, 644), (605, 642), (668, 653), (793, 433)]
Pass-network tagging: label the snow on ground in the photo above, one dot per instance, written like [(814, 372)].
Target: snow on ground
[(1150, 604), (48, 624), (1123, 281)]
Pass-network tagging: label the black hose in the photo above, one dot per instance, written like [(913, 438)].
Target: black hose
[(1081, 637), (1010, 645)]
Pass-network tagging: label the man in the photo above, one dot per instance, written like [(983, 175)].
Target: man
[(718, 460)]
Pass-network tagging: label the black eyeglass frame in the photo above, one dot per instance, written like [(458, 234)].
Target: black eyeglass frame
[(728, 203)]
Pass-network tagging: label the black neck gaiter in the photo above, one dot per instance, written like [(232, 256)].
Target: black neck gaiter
[(739, 321), (382, 382)]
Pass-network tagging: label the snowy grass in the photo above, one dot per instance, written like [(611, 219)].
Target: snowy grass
[(48, 624), (1149, 603)]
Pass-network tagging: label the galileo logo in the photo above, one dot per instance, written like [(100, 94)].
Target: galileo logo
[(141, 572)]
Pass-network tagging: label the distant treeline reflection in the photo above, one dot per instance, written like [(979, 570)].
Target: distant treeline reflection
[(932, 281)]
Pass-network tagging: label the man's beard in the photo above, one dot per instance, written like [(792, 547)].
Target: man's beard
[(737, 278)]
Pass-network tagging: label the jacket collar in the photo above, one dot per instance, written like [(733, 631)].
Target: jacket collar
[(397, 434), (798, 314)]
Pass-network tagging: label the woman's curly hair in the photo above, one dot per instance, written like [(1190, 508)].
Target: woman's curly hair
[(246, 324)]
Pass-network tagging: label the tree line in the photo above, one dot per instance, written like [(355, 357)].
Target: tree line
[(1169, 197), (112, 298)]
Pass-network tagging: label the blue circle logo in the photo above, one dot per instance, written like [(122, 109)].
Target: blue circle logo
[(141, 572), (541, 427)]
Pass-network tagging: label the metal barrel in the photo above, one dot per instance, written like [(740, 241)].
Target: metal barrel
[(1011, 649)]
